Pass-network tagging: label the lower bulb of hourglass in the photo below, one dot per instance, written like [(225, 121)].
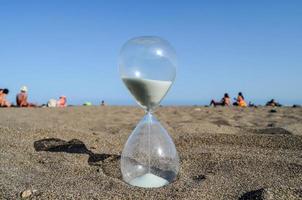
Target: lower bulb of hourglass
[(149, 158)]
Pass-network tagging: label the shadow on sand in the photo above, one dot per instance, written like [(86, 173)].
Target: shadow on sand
[(73, 146), (254, 195)]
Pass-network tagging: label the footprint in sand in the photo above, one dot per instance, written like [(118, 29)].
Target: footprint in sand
[(272, 193), (271, 131), (108, 162)]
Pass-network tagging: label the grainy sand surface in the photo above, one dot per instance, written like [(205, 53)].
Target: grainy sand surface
[(225, 153)]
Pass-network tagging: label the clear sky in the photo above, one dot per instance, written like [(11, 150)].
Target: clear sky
[(71, 47)]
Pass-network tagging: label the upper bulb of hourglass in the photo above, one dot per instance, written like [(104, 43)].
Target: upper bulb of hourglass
[(147, 66)]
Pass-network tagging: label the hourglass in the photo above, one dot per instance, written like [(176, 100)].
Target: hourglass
[(147, 66)]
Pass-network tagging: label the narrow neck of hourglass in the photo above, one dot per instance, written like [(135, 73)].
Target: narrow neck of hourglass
[(149, 116), (149, 123), (148, 111)]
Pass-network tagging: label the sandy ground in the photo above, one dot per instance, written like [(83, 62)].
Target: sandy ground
[(225, 153)]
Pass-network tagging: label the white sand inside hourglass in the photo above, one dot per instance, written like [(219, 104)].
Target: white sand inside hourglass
[(146, 91), (149, 181)]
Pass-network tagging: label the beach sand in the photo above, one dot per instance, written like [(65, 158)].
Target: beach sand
[(225, 153)]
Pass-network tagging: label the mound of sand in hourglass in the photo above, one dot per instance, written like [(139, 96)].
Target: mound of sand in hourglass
[(149, 180), (147, 92)]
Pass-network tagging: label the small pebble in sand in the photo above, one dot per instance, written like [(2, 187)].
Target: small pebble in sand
[(27, 193), (199, 178)]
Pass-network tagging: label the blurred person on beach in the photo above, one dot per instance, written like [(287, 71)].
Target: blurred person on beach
[(225, 101), (273, 103), (3, 101), (252, 105), (87, 103), (240, 100), (21, 98), (62, 102), (52, 103), (103, 103)]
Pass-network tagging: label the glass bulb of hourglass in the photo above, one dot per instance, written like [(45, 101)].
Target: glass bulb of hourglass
[(149, 158), (147, 66)]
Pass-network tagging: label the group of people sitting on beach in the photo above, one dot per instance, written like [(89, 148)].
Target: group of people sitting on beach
[(61, 103), (22, 96), (21, 100), (226, 101), (240, 102)]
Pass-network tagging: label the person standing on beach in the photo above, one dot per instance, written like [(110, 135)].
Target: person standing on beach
[(3, 101), (21, 98)]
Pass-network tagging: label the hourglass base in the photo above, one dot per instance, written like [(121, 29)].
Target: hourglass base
[(149, 158), (149, 181)]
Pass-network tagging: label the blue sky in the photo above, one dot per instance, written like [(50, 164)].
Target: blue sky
[(71, 48)]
